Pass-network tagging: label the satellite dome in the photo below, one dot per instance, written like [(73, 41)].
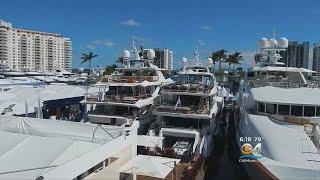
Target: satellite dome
[(283, 42), (151, 54), (184, 60), (241, 82), (210, 61), (263, 43), (126, 54), (273, 42), (81, 69)]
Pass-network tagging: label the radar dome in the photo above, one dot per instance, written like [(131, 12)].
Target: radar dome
[(283, 42), (151, 54), (263, 43), (273, 42), (126, 54), (210, 61), (241, 82), (184, 60), (81, 69)]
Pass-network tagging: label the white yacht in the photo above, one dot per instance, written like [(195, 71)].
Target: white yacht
[(278, 115), (186, 117), (128, 94), (34, 77), (10, 78)]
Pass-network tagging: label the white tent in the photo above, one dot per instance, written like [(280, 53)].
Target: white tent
[(152, 166), (18, 95), (32, 147)]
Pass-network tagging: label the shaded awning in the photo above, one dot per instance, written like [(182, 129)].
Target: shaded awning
[(152, 166)]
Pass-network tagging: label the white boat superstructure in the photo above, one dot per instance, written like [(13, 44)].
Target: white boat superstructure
[(186, 115), (9, 79), (128, 93), (34, 77), (280, 109)]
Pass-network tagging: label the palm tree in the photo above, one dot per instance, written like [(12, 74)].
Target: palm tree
[(88, 58), (229, 60), (220, 56), (110, 69), (234, 59), (214, 59)]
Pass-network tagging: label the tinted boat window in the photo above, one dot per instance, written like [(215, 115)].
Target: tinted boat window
[(309, 111), (284, 109), (318, 111), (250, 74), (296, 110), (261, 107), (272, 108)]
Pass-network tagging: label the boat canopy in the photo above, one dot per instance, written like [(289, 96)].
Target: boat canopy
[(299, 96), (283, 69)]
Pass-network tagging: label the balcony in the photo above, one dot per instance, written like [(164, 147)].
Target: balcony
[(186, 88), (97, 97), (183, 111), (133, 79)]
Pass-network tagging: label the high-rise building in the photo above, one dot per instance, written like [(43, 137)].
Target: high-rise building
[(163, 59), (316, 57), (296, 55), (27, 50)]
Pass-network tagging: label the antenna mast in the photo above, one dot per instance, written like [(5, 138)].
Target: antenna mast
[(196, 55), (135, 50)]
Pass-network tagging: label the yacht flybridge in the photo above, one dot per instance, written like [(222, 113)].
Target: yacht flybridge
[(129, 93), (186, 115), (279, 111)]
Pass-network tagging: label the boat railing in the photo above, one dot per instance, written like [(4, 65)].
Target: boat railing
[(92, 96), (98, 97), (123, 99), (131, 79), (191, 88), (281, 84), (182, 109)]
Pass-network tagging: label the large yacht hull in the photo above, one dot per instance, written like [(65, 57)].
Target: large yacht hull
[(267, 167)]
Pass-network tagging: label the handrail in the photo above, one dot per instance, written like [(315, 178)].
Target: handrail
[(99, 125), (29, 169), (133, 79)]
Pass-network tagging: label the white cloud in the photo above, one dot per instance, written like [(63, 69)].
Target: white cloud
[(141, 40), (90, 46), (105, 43), (201, 42), (206, 28), (130, 23)]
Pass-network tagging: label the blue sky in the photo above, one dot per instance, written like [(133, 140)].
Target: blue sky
[(105, 27)]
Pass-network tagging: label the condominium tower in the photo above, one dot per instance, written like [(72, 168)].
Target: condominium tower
[(27, 50), (163, 58), (316, 57), (296, 55)]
